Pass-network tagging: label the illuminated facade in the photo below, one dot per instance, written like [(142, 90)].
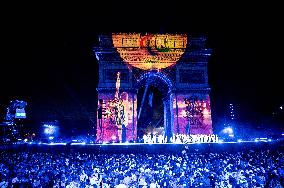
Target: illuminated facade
[(175, 64)]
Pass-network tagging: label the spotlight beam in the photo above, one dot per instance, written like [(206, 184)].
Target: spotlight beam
[(158, 122), (143, 100)]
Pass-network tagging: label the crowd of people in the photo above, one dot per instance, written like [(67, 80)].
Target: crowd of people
[(253, 168)]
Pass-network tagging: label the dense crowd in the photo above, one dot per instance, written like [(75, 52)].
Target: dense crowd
[(239, 169)]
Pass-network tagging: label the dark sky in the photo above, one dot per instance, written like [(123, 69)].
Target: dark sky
[(47, 50)]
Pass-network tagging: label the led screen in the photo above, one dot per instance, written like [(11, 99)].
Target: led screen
[(20, 113)]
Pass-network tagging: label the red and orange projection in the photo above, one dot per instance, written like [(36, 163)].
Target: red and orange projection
[(150, 51)]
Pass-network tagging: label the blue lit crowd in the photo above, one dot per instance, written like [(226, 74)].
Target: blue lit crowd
[(183, 170)]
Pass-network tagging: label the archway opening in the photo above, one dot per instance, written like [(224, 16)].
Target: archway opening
[(151, 120), (158, 119)]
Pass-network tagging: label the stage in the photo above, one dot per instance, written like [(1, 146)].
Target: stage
[(144, 148)]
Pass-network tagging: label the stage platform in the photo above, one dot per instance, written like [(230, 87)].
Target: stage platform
[(144, 148)]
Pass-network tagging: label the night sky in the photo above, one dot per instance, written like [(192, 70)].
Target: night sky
[(47, 58)]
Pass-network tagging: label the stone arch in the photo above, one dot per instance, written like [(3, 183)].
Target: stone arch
[(182, 74)]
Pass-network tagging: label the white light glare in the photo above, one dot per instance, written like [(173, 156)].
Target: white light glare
[(228, 130)]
